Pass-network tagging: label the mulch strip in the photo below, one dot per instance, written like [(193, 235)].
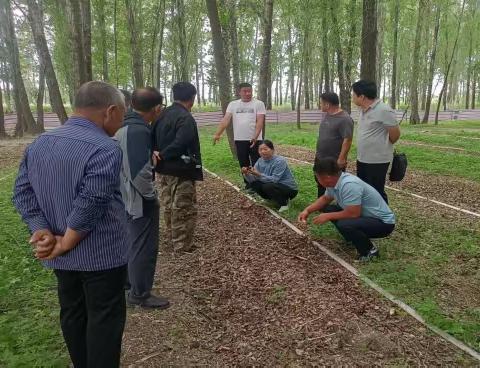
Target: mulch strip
[(257, 294), (453, 190), (11, 151)]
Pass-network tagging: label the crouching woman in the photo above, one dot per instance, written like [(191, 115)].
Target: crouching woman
[(271, 177)]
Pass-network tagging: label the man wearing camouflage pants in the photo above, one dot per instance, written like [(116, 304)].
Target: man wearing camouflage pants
[(177, 152)]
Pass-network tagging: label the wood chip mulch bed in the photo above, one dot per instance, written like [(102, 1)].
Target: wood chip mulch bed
[(257, 294), (453, 190)]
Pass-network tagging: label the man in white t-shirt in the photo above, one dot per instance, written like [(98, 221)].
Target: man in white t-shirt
[(248, 116)]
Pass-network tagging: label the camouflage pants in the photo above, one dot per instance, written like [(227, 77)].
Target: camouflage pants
[(178, 200)]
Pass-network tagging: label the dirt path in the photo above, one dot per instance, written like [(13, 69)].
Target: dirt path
[(458, 192), (258, 294), (11, 151)]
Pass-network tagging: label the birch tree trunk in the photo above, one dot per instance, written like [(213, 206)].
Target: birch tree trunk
[(35, 18)]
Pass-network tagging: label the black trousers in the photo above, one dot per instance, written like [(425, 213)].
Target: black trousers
[(247, 156), (278, 193), (375, 175), (143, 236), (360, 230), (92, 315)]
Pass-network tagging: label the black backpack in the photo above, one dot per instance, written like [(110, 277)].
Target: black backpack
[(399, 167)]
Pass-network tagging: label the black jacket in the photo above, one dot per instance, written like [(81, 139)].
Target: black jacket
[(175, 136)]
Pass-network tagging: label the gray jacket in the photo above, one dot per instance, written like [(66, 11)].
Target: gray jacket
[(136, 176)]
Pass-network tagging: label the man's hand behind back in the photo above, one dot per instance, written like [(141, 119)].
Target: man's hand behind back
[(43, 242)]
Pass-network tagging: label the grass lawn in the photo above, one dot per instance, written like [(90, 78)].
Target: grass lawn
[(424, 259), (427, 159), (30, 333)]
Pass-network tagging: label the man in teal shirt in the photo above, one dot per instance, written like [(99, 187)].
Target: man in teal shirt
[(360, 213)]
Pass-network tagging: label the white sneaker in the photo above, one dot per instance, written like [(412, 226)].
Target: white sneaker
[(283, 208)]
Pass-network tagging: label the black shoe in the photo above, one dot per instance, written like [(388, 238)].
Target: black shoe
[(155, 302), (373, 253)]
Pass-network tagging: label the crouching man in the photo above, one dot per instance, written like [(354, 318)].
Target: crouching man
[(360, 213)]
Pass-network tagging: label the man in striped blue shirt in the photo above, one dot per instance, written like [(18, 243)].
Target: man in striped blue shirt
[(67, 192)]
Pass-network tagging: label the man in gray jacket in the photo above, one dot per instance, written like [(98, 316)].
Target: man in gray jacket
[(140, 196)]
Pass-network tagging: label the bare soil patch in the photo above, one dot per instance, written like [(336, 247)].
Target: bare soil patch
[(257, 294), (11, 151)]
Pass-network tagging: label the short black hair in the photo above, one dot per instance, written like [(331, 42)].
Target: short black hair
[(184, 91), (128, 97), (326, 166), (330, 97), (145, 99), (268, 143), (244, 85), (365, 88)]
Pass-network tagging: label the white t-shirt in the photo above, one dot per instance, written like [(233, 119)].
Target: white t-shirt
[(244, 116)]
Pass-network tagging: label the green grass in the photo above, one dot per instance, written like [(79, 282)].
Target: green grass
[(430, 160), (469, 145), (30, 333), (422, 253)]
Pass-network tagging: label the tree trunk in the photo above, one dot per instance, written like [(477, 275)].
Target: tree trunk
[(223, 75), (232, 4), (380, 36), (203, 78), (474, 88), (265, 64), (344, 90), (40, 97), (280, 75), (103, 38), (153, 59), (431, 67), (182, 40), (3, 134), (35, 18), (135, 29), (291, 69), (79, 29), (325, 53), (254, 54), (276, 99), (469, 71), (347, 104), (368, 64), (25, 121), (86, 13), (115, 41), (306, 65), (396, 16), (4, 76), (197, 81), (414, 116), (160, 47), (299, 92), (269, 92), (442, 91)]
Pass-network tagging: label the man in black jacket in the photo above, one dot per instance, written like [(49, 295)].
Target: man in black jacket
[(177, 152)]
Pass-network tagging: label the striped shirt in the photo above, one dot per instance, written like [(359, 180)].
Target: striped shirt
[(69, 177)]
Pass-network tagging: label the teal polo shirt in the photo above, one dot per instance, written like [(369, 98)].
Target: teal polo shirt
[(352, 191)]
